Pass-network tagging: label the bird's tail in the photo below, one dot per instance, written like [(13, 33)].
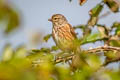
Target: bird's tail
[(78, 60)]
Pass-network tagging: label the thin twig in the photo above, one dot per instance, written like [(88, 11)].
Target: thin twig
[(63, 59), (103, 48), (111, 61), (105, 14)]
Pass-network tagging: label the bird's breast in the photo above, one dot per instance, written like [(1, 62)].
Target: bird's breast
[(62, 38)]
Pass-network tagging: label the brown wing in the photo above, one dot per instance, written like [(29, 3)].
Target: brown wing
[(72, 31), (65, 32), (68, 32)]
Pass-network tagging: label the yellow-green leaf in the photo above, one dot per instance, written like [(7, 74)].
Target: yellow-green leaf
[(13, 21), (54, 48), (7, 53), (96, 10), (103, 31), (117, 26), (47, 37), (115, 43), (20, 52), (10, 16)]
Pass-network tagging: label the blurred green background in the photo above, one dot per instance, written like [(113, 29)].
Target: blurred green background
[(26, 56)]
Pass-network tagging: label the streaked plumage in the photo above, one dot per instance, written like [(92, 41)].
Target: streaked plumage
[(63, 33)]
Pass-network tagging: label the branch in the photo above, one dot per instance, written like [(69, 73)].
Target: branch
[(111, 61), (103, 48), (64, 59), (99, 49), (95, 50)]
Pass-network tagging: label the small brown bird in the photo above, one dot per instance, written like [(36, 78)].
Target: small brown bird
[(63, 33), (65, 38)]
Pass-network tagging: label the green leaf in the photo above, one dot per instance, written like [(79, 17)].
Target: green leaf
[(13, 21), (82, 74), (117, 31), (20, 52), (115, 43), (117, 26), (113, 75), (37, 53), (10, 16), (47, 37), (114, 7), (7, 53), (111, 55), (45, 50), (63, 73), (91, 38), (54, 48), (96, 10), (94, 61), (94, 13), (103, 31)]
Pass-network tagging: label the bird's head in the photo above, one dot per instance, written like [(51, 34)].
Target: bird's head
[(58, 19)]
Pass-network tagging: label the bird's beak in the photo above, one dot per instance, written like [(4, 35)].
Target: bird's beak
[(50, 20)]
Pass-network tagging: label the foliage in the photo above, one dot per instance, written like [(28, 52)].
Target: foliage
[(53, 64), (10, 16)]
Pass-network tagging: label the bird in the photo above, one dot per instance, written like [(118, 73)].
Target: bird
[(66, 39), (63, 33)]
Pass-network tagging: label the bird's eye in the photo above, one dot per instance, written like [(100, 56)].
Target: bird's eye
[(55, 18)]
